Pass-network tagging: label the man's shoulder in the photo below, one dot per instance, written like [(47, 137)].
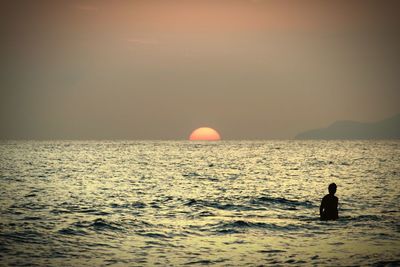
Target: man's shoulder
[(330, 197), (326, 197), (334, 199)]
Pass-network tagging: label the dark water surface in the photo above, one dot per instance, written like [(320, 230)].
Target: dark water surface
[(230, 203)]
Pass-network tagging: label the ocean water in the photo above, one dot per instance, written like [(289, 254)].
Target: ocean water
[(175, 203)]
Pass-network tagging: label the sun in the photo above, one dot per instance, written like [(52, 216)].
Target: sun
[(204, 134)]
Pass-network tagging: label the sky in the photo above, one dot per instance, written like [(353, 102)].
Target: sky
[(158, 69)]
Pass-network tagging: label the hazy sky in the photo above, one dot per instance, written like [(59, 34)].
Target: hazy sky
[(158, 69)]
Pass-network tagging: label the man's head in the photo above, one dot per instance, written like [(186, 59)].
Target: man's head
[(332, 188)]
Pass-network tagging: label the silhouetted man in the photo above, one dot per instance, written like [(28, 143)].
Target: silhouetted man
[(329, 205)]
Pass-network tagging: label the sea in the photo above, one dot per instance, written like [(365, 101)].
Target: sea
[(182, 203)]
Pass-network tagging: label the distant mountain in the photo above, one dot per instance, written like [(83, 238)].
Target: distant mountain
[(384, 129)]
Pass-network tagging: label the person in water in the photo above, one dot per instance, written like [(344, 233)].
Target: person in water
[(329, 205)]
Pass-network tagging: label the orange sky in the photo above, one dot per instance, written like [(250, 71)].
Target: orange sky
[(158, 69)]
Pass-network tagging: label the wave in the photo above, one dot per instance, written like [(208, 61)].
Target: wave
[(155, 235), (366, 217), (67, 207), (244, 224), (272, 251), (138, 204), (261, 203), (282, 201), (28, 236), (71, 231), (387, 263), (205, 262), (99, 224), (218, 205), (239, 226)]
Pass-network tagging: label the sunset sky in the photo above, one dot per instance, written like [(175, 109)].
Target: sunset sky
[(160, 69)]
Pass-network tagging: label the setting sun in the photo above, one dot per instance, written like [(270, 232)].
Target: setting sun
[(205, 134)]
